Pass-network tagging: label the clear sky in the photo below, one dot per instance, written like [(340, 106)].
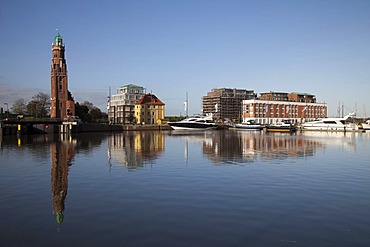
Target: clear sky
[(172, 47)]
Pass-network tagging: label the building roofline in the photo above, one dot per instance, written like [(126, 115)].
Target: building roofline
[(280, 102), (308, 94), (131, 85), (273, 92)]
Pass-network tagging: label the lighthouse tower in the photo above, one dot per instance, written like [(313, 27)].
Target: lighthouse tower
[(62, 103)]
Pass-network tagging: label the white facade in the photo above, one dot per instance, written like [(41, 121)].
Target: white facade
[(121, 106)]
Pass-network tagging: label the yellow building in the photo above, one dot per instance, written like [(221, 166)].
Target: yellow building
[(149, 110)]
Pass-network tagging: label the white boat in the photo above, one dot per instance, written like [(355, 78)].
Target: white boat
[(194, 123), (248, 125), (331, 124), (365, 126)]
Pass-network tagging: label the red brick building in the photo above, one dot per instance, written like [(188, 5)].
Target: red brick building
[(61, 103), (272, 111), (302, 97), (280, 96)]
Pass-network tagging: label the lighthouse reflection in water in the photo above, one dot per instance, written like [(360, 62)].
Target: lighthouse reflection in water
[(199, 188)]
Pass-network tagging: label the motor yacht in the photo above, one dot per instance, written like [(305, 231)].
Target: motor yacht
[(365, 126), (331, 124), (194, 123)]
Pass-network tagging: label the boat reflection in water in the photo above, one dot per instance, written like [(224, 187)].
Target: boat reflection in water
[(247, 147), (237, 147), (235, 182), (135, 149)]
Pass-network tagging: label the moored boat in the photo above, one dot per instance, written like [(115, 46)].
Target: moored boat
[(365, 126), (283, 126), (248, 125), (331, 124), (194, 123)]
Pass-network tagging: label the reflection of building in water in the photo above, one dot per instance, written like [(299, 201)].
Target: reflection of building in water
[(278, 147), (62, 154), (226, 147), (134, 148), (243, 147)]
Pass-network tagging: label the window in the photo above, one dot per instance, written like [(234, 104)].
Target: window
[(246, 109)]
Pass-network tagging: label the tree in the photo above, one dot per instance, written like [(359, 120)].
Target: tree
[(88, 104), (95, 113), (82, 112), (87, 112), (39, 106), (19, 107)]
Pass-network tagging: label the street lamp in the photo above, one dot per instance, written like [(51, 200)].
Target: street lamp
[(7, 109)]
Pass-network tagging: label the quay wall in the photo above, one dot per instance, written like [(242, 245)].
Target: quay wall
[(107, 127), (146, 127), (80, 128)]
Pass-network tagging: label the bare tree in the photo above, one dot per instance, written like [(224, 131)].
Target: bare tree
[(39, 105), (19, 106)]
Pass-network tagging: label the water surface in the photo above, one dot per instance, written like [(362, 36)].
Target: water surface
[(176, 188)]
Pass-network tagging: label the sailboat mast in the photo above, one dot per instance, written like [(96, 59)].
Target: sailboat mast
[(187, 105)]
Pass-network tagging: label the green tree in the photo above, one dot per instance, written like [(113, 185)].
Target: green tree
[(95, 113), (87, 112), (82, 112)]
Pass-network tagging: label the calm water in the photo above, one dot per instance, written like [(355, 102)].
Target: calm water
[(217, 188)]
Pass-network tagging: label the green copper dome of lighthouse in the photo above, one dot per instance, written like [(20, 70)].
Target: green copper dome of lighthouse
[(58, 41)]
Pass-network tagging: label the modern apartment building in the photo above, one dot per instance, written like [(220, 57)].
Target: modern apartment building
[(121, 106), (225, 103), (149, 109)]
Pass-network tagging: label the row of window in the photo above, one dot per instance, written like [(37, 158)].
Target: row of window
[(126, 97), (147, 106), (132, 91), (142, 113)]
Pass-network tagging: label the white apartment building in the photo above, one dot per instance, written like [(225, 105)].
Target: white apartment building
[(121, 106)]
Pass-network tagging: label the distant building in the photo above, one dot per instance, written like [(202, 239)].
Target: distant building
[(225, 103), (279, 96), (270, 111), (149, 110), (292, 97), (302, 97), (121, 106), (62, 103)]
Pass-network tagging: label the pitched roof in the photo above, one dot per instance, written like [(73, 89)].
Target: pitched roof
[(149, 99)]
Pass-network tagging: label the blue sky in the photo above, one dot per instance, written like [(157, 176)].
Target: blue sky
[(173, 47)]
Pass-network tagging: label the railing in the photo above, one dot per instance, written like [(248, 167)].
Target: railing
[(31, 120)]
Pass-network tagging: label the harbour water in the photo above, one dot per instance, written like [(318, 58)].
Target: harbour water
[(168, 188)]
